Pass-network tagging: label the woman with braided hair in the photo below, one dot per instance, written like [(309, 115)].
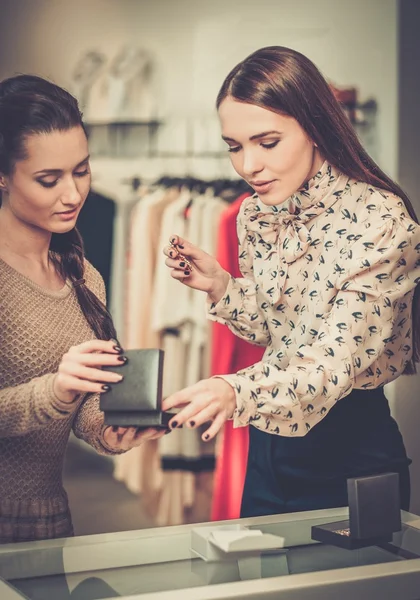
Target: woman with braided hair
[(55, 331)]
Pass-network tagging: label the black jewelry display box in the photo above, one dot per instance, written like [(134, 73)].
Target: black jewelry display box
[(137, 400), (374, 514)]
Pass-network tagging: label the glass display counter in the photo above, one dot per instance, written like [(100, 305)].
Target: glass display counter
[(158, 564)]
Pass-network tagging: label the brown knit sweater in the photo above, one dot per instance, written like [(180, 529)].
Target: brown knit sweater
[(37, 327)]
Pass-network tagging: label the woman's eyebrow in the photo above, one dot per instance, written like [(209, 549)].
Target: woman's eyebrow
[(58, 171), (253, 137)]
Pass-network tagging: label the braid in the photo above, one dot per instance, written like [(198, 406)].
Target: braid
[(68, 257)]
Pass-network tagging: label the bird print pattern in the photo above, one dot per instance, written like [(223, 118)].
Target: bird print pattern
[(327, 287)]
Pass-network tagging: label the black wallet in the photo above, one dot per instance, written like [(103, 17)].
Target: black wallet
[(137, 400)]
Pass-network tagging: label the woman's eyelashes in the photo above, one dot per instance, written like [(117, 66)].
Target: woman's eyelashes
[(270, 145), (266, 145), (51, 184)]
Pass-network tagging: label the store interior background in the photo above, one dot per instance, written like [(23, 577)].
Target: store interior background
[(371, 45)]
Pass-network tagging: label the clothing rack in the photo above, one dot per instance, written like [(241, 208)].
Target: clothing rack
[(194, 184), (174, 475), (125, 193)]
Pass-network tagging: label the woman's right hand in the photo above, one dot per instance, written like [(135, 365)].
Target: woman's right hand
[(206, 274), (80, 369)]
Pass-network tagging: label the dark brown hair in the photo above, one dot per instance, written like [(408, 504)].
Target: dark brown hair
[(31, 105), (287, 82)]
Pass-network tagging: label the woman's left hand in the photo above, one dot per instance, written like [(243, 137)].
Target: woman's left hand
[(208, 400), (125, 438)]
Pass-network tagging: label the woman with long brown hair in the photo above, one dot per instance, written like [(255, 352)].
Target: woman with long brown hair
[(330, 257), (55, 331)]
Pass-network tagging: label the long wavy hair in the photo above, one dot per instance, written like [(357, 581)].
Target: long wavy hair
[(287, 82), (30, 105)]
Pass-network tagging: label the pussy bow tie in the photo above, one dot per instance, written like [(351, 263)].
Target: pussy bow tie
[(278, 236)]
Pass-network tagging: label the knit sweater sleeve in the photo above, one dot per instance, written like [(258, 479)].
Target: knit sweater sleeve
[(30, 406), (88, 424)]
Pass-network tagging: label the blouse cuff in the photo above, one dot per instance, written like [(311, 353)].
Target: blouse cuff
[(244, 411), (221, 311)]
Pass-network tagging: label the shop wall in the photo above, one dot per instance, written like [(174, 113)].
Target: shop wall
[(196, 42)]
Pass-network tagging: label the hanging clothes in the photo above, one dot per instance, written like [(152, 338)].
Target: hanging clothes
[(184, 455), (229, 355), (140, 469), (124, 199), (174, 475), (96, 226)]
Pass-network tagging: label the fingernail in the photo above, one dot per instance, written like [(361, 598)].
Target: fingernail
[(179, 246), (192, 423), (115, 429), (168, 431), (206, 437), (173, 240), (118, 349), (171, 254), (122, 358), (120, 378), (186, 273), (182, 265), (106, 388), (174, 424)]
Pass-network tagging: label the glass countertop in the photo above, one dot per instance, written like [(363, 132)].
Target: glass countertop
[(158, 563)]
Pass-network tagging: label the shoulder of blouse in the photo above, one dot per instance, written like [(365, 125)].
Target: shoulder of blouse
[(379, 205)]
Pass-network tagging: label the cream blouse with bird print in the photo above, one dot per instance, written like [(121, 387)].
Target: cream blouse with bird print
[(327, 287)]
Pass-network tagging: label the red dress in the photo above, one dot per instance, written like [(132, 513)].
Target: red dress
[(229, 355)]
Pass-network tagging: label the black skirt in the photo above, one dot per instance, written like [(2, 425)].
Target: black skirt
[(358, 437)]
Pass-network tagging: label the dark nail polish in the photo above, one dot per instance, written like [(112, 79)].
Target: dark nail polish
[(115, 429), (118, 349), (182, 265), (179, 246), (186, 273), (174, 424), (192, 423), (106, 388), (122, 358), (206, 437), (168, 431), (171, 254), (173, 240)]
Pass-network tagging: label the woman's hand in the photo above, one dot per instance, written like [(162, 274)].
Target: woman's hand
[(125, 438), (206, 273), (80, 369), (208, 400)]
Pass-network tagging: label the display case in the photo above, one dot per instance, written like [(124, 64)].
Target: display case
[(159, 564)]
